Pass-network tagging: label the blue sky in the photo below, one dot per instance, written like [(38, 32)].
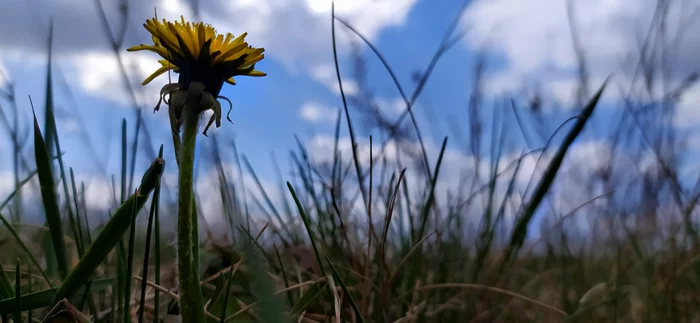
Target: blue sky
[(524, 42)]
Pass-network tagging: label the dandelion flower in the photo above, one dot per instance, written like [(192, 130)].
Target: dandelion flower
[(199, 55)]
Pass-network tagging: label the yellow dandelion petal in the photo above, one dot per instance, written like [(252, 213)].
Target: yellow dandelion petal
[(202, 34), (180, 44), (253, 59), (216, 43), (231, 54), (155, 74), (234, 43), (229, 36), (257, 73), (187, 51)]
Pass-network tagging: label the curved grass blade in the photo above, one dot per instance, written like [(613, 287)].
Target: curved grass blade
[(48, 195), (353, 304), (521, 226), (111, 233), (19, 185), (144, 273)]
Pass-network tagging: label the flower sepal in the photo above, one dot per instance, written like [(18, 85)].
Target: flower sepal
[(194, 97)]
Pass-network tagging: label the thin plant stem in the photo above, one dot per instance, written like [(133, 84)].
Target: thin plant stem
[(191, 302)]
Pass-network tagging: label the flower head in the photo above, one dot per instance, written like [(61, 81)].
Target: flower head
[(203, 59), (198, 53)]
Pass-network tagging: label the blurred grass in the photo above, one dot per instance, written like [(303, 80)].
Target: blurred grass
[(409, 251)]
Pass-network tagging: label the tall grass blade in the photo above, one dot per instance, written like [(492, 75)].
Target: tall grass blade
[(130, 263), (123, 172), (353, 303), (521, 227), (147, 253), (78, 226), (48, 195), (111, 233), (351, 130), (305, 219), (157, 260)]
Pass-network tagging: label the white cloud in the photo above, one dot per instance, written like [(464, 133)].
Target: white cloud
[(4, 75), (98, 191), (395, 106), (99, 74), (534, 39), (326, 75), (688, 110), (296, 34), (317, 113)]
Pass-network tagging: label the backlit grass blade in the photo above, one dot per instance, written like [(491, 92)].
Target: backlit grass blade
[(48, 195), (520, 229), (111, 233)]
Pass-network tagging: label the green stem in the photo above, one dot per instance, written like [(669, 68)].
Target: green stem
[(191, 301)]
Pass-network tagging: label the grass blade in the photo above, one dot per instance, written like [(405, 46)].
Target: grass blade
[(520, 228), (5, 285), (78, 226), (351, 131), (111, 233), (353, 304), (306, 300), (18, 292), (130, 264), (156, 233), (305, 219), (16, 191), (144, 273), (48, 195)]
